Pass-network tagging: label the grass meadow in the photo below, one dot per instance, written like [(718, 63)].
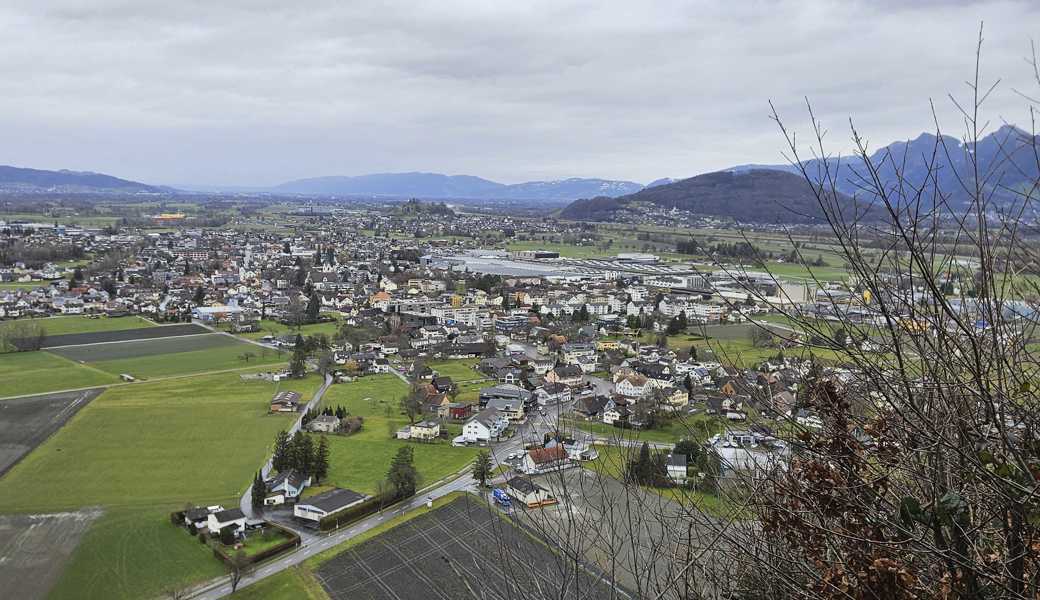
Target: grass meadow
[(360, 461), (79, 324), (24, 373), (139, 452)]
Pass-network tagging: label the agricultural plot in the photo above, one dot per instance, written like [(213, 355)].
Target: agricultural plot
[(78, 324), (459, 550), (34, 550), (26, 422), (140, 451), (171, 356), (360, 461), (123, 335), (23, 373), (198, 438)]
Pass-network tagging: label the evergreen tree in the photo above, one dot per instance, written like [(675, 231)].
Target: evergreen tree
[(200, 295), (298, 362), (321, 459), (258, 492), (402, 475), (693, 352), (313, 307), (77, 275), (482, 468), (582, 316), (282, 457), (302, 454)]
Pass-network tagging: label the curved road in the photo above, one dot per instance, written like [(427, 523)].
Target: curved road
[(246, 502)]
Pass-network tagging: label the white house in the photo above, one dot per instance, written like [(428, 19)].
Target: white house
[(484, 426), (219, 520), (552, 393), (677, 467), (286, 486), (633, 385)]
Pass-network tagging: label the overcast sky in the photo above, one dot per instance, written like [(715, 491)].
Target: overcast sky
[(260, 92)]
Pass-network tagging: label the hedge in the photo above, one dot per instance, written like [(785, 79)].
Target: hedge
[(360, 511), (292, 541)]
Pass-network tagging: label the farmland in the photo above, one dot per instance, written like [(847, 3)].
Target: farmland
[(171, 356), (122, 335), (38, 372), (269, 327), (171, 441), (360, 461), (34, 549), (25, 422), (138, 452), (76, 324)]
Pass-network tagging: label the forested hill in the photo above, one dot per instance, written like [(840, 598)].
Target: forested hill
[(754, 196)]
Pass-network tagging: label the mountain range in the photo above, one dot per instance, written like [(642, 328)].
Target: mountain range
[(436, 185), (18, 179), (757, 193), (748, 196)]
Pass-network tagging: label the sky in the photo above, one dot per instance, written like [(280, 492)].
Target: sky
[(260, 92)]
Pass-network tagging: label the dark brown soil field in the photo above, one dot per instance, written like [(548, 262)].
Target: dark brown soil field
[(145, 333), (461, 550), (27, 422)]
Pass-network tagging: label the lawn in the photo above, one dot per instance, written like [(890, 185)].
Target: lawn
[(255, 543), (75, 324), (37, 372), (458, 370), (134, 553), (194, 439), (269, 327), (296, 583), (360, 461), (611, 463)]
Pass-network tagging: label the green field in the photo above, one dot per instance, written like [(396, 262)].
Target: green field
[(173, 356), (16, 285), (269, 327), (611, 463), (140, 451), (360, 461), (699, 427), (193, 439), (77, 324), (38, 372), (134, 553), (458, 370)]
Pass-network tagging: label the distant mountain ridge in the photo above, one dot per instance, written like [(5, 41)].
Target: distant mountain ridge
[(19, 179), (751, 196), (437, 185), (1005, 158)]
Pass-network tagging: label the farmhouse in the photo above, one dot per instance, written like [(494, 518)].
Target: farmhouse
[(324, 424), (327, 503), (219, 520), (285, 401), (528, 492)]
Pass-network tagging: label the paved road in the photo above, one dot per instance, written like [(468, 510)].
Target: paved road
[(246, 502)]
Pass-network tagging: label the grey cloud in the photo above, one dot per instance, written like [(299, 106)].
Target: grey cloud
[(261, 92)]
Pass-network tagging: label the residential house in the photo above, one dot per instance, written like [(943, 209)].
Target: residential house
[(324, 424), (566, 374), (286, 487), (234, 517), (511, 409), (486, 425), (543, 460), (676, 465), (529, 493), (552, 393)]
